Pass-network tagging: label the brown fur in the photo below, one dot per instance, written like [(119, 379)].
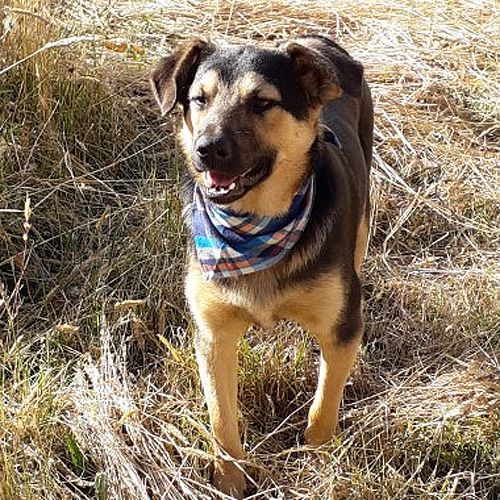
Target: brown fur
[(253, 83)]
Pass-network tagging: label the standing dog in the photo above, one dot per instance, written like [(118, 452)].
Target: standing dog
[(279, 146)]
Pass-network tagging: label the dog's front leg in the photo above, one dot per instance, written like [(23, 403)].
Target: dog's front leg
[(339, 335), (337, 358), (216, 352), (220, 327)]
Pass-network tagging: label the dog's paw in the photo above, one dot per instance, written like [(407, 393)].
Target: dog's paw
[(229, 479), (316, 434)]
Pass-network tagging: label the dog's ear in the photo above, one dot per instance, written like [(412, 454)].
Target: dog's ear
[(324, 69), (171, 78)]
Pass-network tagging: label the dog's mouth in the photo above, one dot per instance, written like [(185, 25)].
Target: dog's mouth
[(223, 188)]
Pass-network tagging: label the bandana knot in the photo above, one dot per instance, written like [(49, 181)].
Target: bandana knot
[(229, 244)]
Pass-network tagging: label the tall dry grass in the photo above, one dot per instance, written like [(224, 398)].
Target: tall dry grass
[(100, 391)]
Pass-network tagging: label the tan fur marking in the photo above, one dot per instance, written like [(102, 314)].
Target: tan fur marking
[(316, 306), (253, 83), (330, 92), (185, 138), (208, 85), (361, 243), (220, 327), (292, 139), (335, 365), (318, 309)]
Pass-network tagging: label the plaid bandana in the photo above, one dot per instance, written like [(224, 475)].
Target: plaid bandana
[(228, 244)]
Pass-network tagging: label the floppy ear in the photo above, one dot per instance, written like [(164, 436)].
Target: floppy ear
[(173, 75), (324, 69)]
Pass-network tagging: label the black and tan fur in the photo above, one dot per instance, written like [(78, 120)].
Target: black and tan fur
[(269, 108)]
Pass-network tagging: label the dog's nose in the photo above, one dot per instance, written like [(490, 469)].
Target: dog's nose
[(213, 150)]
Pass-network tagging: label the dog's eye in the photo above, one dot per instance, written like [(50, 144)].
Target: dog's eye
[(262, 105), (199, 100)]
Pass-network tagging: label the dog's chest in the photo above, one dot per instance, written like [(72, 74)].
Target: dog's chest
[(309, 304), (257, 295)]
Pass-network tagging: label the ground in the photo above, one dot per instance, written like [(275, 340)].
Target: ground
[(101, 397)]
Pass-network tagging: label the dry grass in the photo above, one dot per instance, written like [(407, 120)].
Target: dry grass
[(100, 391)]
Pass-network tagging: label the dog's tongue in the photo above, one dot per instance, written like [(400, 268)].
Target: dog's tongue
[(213, 178)]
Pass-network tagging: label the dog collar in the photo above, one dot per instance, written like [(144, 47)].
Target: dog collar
[(228, 244)]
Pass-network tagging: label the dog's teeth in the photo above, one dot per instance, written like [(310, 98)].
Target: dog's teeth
[(219, 190), (232, 186), (207, 181)]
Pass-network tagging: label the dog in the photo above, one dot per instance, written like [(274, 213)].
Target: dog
[(278, 144)]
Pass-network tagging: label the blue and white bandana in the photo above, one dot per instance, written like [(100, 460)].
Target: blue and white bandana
[(228, 244)]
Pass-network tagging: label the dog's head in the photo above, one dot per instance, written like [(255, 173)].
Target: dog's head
[(251, 114)]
